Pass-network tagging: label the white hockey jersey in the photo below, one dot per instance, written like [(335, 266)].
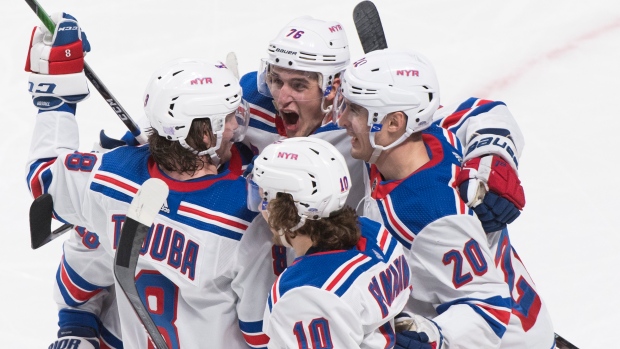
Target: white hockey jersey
[(341, 299), (459, 273), (206, 266)]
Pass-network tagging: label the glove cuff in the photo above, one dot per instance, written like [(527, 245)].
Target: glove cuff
[(51, 91), (407, 321), (485, 144), (79, 337)]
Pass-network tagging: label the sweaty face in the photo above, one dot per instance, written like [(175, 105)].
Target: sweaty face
[(230, 126), (354, 119), (297, 96)]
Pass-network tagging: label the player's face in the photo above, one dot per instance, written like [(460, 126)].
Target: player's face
[(297, 97), (230, 126), (354, 119)]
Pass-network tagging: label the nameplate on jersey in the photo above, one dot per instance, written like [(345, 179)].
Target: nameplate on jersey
[(166, 245)]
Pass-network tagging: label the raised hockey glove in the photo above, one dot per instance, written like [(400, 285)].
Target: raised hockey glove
[(76, 337), (417, 332), (491, 187), (57, 63)]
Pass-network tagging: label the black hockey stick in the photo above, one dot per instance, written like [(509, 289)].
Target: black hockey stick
[(144, 207), (561, 343), (369, 27), (40, 216), (94, 79)]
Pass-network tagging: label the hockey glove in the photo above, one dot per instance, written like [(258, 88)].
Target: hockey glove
[(76, 337), (108, 143), (57, 59), (417, 332), (491, 187)]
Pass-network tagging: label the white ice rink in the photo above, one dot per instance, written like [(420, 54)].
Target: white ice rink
[(556, 64)]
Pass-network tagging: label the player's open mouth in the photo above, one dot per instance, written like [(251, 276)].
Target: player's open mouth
[(290, 119)]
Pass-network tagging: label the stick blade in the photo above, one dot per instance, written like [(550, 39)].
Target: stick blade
[(40, 219), (369, 27)]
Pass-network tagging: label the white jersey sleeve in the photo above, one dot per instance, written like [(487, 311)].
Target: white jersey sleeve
[(55, 166), (255, 271), (483, 127)]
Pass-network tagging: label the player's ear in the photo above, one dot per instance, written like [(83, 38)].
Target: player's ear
[(395, 121), (208, 138)]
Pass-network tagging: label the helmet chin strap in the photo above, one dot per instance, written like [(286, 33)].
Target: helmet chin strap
[(282, 234), (377, 149), (215, 159), (283, 240), (326, 111)]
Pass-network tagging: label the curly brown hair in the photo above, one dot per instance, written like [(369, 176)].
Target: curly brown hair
[(172, 156), (339, 231)]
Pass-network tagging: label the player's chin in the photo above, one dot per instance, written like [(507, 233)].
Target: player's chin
[(358, 152)]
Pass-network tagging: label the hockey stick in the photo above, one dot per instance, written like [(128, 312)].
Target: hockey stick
[(94, 79), (369, 27), (561, 343), (40, 216), (144, 207), (232, 64)]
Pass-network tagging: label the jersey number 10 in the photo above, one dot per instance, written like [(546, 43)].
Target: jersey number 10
[(319, 334)]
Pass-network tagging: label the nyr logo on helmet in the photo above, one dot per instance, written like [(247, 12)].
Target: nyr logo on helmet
[(287, 156), (407, 73), (201, 81)]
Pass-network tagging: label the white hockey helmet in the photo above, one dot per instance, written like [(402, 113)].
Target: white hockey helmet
[(184, 90), (386, 81), (309, 45), (312, 170)]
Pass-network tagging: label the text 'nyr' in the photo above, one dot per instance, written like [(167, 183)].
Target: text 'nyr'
[(202, 81), (287, 156)]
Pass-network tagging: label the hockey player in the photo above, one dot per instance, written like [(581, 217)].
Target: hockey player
[(350, 277), (205, 267), (292, 93), (470, 289)]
